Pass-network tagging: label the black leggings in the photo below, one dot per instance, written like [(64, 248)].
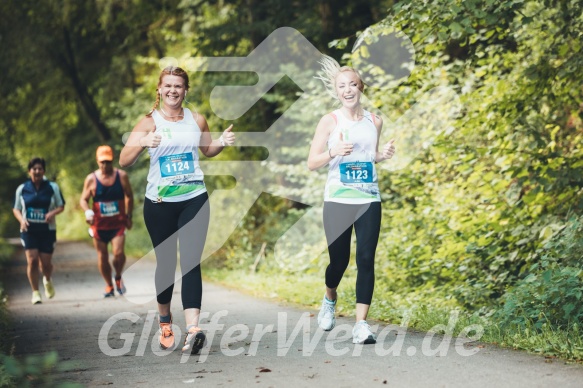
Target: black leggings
[(186, 222), (339, 219)]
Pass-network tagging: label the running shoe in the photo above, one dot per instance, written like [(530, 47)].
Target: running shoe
[(108, 292), (194, 340), (49, 289), (36, 298), (326, 318), (361, 334), (120, 287), (166, 338)]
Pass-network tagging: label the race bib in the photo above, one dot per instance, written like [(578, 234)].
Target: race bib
[(356, 172), (36, 215), (176, 165), (109, 209)]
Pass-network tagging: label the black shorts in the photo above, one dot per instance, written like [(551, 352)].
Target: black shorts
[(44, 240)]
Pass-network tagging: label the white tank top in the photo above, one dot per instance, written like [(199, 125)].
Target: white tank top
[(352, 179), (175, 174)]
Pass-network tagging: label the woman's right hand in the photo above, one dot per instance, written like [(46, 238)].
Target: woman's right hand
[(151, 140), (143, 135), (341, 148), (23, 225)]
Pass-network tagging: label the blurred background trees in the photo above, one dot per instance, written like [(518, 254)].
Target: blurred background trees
[(484, 219)]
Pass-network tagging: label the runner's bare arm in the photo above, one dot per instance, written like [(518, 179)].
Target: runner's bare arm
[(378, 123), (23, 222), (143, 136), (50, 215), (208, 146), (129, 196), (388, 149), (87, 193), (88, 188), (318, 157)]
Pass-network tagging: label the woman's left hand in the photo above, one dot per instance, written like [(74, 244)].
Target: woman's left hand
[(228, 136), (389, 149)]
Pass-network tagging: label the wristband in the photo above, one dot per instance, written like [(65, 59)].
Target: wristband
[(222, 141), (89, 213)]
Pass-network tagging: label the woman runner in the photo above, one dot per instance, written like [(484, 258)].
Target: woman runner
[(176, 205), (347, 141)]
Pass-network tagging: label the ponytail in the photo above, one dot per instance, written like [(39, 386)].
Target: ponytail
[(149, 114)]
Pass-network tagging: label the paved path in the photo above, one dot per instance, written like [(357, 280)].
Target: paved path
[(252, 342)]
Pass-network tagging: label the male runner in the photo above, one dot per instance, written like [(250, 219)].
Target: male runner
[(109, 216)]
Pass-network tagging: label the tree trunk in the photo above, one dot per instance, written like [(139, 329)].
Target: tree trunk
[(66, 62)]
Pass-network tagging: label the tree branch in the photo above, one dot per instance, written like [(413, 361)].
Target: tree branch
[(67, 62)]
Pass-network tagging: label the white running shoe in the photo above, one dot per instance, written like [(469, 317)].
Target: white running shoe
[(361, 334), (49, 288), (36, 299), (326, 317), (194, 340)]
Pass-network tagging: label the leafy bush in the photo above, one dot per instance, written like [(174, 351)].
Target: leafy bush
[(552, 291), (33, 371)]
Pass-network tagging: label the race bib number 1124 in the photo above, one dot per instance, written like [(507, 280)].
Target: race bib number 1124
[(174, 165)]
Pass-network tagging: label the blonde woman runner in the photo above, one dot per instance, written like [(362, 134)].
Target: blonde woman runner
[(346, 140)]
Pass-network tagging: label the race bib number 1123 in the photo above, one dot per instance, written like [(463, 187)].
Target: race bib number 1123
[(356, 172)]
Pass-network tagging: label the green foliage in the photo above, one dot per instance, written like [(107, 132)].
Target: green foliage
[(467, 223), (551, 294), (269, 218), (474, 220), (6, 252), (477, 220), (33, 371), (5, 379), (470, 215), (12, 177), (566, 343)]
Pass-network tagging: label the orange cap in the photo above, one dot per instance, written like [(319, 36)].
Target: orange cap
[(104, 154)]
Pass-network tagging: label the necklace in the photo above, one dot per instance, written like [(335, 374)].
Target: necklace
[(167, 115)]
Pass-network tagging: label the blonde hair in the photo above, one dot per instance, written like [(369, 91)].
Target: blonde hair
[(329, 72), (169, 70), (155, 104)]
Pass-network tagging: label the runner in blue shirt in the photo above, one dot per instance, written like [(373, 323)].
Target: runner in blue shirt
[(37, 202)]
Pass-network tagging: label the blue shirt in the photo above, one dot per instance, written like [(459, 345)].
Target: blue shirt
[(35, 204)]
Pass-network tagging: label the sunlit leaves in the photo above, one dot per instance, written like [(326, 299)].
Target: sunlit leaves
[(512, 170)]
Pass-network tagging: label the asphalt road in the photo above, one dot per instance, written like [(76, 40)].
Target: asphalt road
[(251, 342)]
